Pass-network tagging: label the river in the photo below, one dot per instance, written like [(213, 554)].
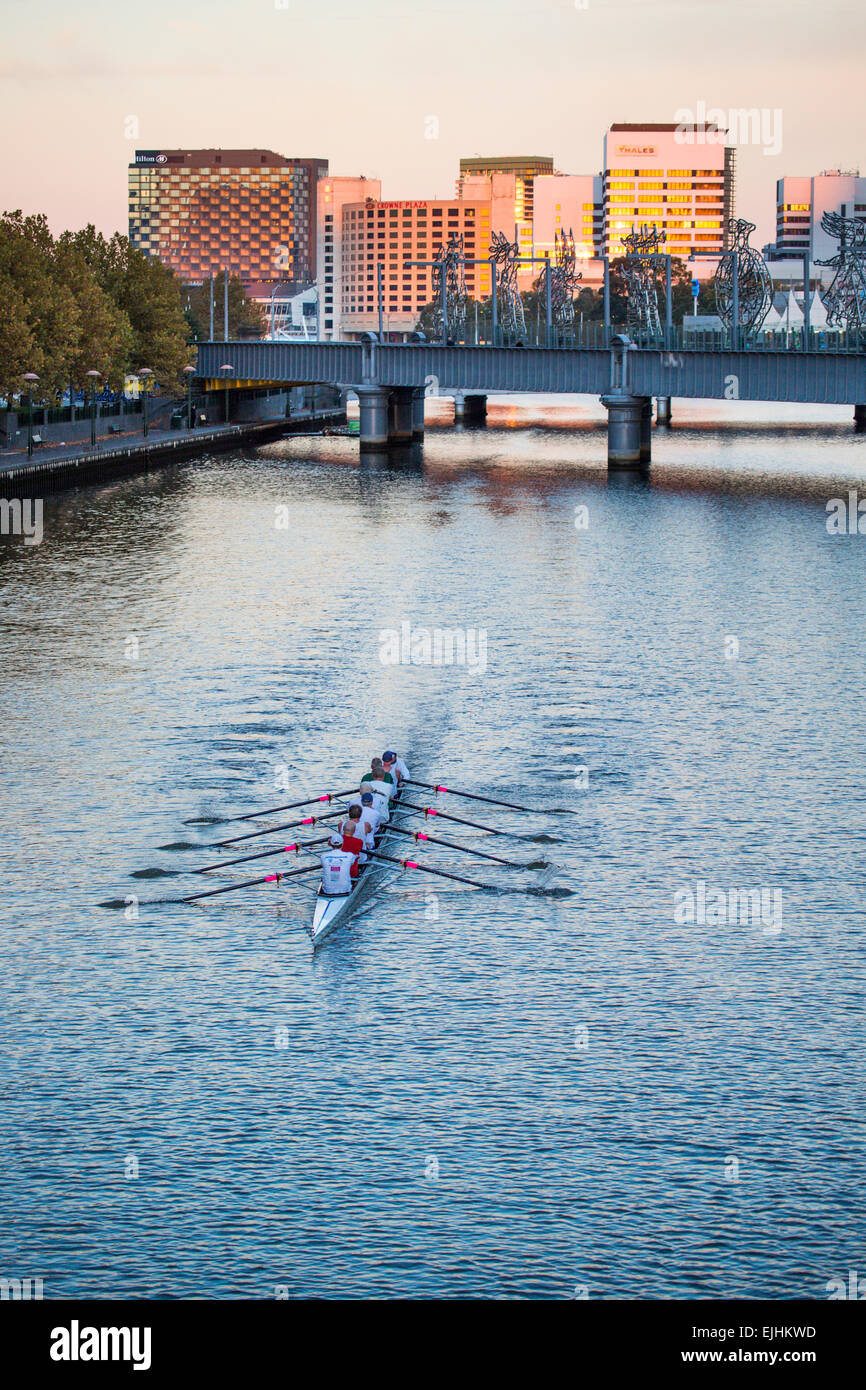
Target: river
[(614, 1076)]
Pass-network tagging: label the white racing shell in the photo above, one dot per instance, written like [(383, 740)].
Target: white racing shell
[(336, 872)]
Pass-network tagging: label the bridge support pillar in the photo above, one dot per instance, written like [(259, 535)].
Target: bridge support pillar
[(646, 429), (663, 410), (418, 412), (373, 402), (626, 428), (400, 415), (860, 416), (475, 410), (459, 407)]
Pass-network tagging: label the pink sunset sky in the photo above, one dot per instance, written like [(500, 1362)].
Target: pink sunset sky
[(359, 83)]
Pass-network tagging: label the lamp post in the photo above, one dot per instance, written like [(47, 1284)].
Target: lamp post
[(93, 375), (189, 373), (225, 369), (31, 378), (145, 373)]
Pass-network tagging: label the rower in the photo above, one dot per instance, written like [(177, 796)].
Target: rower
[(369, 819), (351, 837), (395, 766), (377, 773)]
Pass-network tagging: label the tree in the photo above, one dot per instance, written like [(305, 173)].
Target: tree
[(149, 293), (246, 318)]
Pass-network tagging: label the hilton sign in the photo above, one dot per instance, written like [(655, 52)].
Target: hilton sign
[(150, 157)]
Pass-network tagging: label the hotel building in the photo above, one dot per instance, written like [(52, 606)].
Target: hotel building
[(392, 234), (334, 195), (250, 211), (681, 180), (801, 203)]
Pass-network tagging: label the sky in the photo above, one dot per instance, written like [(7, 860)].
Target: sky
[(399, 91)]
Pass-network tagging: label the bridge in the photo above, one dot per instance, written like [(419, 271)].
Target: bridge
[(392, 379)]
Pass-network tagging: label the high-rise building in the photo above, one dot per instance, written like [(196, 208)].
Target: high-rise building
[(520, 172), (569, 203), (250, 211), (334, 194), (392, 235), (800, 205), (681, 180)]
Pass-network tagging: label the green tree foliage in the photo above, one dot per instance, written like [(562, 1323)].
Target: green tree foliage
[(246, 318), (84, 303)]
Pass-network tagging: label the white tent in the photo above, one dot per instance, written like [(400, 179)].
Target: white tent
[(773, 321), (817, 313), (792, 315)]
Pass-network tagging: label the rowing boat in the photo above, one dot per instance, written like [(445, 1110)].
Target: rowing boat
[(330, 912)]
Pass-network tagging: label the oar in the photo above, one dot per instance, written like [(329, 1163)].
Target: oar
[(293, 805), (444, 815), (473, 796), (450, 844), (291, 825), (249, 883), (440, 873), (263, 854)]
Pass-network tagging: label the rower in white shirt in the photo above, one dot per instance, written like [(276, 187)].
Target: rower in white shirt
[(394, 765), (369, 821)]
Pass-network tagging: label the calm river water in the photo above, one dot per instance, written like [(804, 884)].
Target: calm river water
[(614, 1076)]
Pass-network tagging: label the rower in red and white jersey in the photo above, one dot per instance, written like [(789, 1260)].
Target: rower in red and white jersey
[(351, 836)]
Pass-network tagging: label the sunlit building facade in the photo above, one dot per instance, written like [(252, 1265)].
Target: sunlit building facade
[(250, 211), (680, 180), (334, 194), (394, 234), (801, 203)]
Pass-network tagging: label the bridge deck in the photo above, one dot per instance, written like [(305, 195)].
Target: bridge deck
[(824, 377)]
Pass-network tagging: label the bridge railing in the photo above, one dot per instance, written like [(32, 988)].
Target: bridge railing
[(596, 335)]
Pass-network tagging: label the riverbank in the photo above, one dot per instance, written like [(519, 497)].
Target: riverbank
[(54, 468)]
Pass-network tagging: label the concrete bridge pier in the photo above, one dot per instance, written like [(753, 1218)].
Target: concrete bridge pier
[(374, 412), (418, 412), (459, 407), (646, 429), (663, 410), (860, 416), (628, 429), (400, 415), (474, 410)]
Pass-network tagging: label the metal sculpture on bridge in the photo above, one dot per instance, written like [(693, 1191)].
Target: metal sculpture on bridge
[(754, 286), (563, 281), (449, 266), (640, 269), (505, 255), (845, 300)]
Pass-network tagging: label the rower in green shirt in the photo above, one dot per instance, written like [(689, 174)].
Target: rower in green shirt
[(378, 773)]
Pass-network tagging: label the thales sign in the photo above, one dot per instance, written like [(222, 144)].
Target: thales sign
[(150, 157)]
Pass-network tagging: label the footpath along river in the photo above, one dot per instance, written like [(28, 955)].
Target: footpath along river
[(619, 1076)]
